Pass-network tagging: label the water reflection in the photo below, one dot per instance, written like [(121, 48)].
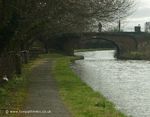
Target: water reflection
[(126, 83)]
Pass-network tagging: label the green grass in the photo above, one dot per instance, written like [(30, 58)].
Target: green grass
[(134, 56), (80, 98), (13, 94)]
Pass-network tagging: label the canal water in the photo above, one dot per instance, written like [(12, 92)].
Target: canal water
[(126, 83)]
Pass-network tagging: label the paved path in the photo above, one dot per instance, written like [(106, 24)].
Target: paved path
[(43, 94)]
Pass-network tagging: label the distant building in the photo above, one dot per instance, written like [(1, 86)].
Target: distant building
[(147, 27), (137, 28)]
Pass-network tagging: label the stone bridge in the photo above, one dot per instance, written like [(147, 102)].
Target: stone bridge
[(124, 42)]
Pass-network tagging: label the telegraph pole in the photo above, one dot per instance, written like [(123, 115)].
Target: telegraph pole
[(119, 25)]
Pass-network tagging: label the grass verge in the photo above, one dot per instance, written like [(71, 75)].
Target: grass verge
[(80, 98), (14, 93), (133, 56)]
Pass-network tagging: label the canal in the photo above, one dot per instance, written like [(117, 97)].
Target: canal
[(126, 83)]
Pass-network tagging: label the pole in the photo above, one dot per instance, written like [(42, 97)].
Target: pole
[(119, 25)]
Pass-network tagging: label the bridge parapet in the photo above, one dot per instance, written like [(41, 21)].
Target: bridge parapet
[(125, 42)]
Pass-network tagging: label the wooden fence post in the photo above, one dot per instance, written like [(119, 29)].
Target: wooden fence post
[(18, 64)]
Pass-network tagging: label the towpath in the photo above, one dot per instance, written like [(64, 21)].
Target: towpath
[(43, 95)]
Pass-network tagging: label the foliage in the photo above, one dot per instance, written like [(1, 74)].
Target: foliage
[(135, 55), (24, 21), (115, 29)]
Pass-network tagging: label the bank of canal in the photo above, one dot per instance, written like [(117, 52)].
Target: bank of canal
[(124, 82), (79, 97)]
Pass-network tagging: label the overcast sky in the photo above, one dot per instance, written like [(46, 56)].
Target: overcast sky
[(140, 16)]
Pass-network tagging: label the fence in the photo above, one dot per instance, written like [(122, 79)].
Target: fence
[(11, 62)]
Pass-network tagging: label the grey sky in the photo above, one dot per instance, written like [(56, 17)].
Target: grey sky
[(140, 16)]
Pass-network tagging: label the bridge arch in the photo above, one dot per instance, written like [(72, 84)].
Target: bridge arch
[(125, 42), (117, 47)]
